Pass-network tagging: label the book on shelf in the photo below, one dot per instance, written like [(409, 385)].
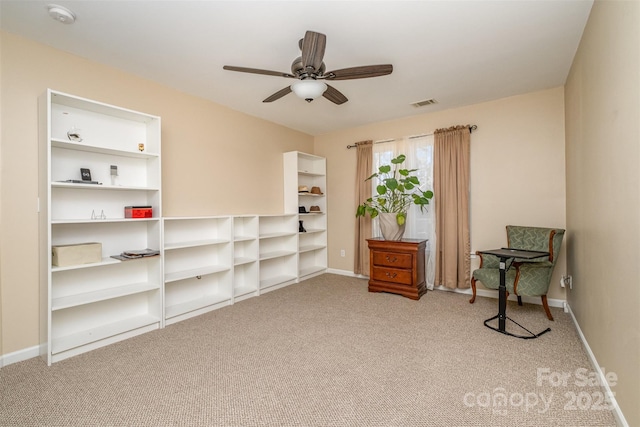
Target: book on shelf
[(79, 181), (136, 254)]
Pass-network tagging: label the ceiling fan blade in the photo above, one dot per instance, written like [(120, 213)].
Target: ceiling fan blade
[(334, 95), (313, 46), (359, 72), (257, 71), (279, 94)]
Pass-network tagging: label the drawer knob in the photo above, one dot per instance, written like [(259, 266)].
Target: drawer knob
[(391, 275), (389, 259)]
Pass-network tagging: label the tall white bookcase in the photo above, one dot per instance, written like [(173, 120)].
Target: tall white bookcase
[(307, 170), (87, 306)]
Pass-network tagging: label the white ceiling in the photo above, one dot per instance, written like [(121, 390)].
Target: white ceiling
[(458, 52)]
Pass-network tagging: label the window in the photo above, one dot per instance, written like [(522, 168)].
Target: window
[(420, 225)]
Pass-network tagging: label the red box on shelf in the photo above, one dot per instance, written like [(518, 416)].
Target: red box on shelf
[(138, 212)]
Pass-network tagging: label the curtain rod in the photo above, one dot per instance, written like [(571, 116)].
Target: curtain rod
[(471, 129)]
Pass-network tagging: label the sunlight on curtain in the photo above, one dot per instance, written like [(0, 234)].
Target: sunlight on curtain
[(420, 225)]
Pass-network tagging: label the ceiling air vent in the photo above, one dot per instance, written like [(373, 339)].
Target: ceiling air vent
[(425, 102)]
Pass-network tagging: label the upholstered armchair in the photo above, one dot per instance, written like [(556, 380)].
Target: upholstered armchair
[(523, 277)]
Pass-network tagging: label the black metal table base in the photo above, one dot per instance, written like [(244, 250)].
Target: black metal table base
[(504, 254), (504, 331)]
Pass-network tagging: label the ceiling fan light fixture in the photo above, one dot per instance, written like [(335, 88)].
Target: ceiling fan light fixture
[(308, 89), (309, 67)]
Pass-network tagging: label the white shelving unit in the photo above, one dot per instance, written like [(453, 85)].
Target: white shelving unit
[(301, 169), (205, 262), (278, 251), (245, 257), (211, 262), (91, 305), (198, 253)]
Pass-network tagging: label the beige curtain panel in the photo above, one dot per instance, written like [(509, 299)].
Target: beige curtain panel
[(364, 153), (451, 188)]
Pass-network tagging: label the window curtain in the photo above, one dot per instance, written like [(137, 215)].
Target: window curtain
[(363, 192), (420, 225), (451, 188)]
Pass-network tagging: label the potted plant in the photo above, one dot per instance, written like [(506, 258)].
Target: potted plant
[(397, 190)]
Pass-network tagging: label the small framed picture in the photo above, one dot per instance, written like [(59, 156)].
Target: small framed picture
[(85, 174)]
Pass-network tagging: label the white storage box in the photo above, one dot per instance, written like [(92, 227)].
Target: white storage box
[(82, 253)]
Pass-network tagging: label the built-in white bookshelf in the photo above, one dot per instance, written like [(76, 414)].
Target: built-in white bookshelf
[(245, 257), (86, 306), (210, 262), (278, 251), (198, 265), (307, 172)]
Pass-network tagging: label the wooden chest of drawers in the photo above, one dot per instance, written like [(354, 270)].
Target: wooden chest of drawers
[(397, 267)]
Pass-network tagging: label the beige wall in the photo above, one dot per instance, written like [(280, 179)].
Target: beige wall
[(517, 170), (215, 161), (603, 193)]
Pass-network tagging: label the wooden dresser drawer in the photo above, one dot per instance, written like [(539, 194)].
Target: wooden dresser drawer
[(392, 259), (397, 266), (392, 275)]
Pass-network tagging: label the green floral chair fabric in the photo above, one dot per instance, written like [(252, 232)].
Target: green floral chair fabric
[(523, 277)]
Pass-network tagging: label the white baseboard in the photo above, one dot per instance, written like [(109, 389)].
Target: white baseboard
[(610, 396), (19, 356), (346, 273), (553, 302)]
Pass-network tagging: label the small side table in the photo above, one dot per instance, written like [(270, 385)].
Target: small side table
[(397, 267), (505, 254)]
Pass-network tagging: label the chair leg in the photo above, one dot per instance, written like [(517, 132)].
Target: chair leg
[(519, 300), (546, 307), (473, 288)]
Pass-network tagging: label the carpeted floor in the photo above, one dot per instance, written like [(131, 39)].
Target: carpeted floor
[(324, 352)]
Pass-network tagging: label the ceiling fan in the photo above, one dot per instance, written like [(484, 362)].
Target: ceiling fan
[(310, 72)]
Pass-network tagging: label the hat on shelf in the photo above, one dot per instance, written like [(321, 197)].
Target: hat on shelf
[(316, 190), (314, 209), (303, 189), (302, 209)]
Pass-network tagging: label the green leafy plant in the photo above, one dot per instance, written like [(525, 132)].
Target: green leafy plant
[(397, 189)]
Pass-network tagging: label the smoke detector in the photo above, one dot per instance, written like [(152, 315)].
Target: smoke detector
[(61, 14)]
